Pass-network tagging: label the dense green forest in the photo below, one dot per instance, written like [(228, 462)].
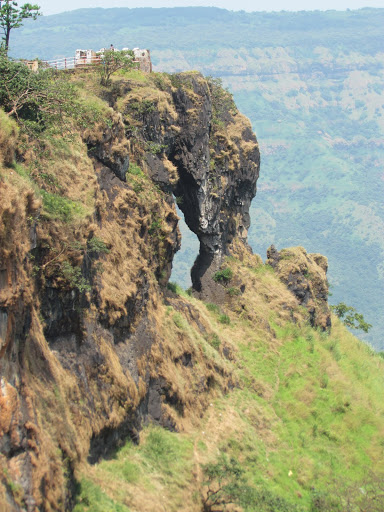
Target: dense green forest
[(312, 84)]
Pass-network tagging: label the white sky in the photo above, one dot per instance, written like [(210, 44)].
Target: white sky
[(56, 6)]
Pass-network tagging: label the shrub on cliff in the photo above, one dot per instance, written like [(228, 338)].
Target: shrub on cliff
[(36, 100), (223, 276), (43, 102), (222, 101), (225, 484), (113, 61), (8, 138), (350, 317)]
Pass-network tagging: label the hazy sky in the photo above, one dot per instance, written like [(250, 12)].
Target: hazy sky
[(55, 6)]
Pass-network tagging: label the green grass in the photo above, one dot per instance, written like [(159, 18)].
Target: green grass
[(214, 341), (21, 171), (224, 319), (135, 170), (165, 452), (179, 321), (234, 291), (214, 308), (61, 208), (92, 499), (135, 74), (177, 289), (223, 276), (321, 424), (162, 460)]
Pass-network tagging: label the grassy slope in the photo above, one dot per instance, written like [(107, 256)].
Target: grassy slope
[(307, 411)]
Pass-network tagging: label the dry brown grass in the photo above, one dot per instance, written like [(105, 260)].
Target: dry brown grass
[(161, 100), (172, 171), (17, 207), (195, 384), (8, 139)]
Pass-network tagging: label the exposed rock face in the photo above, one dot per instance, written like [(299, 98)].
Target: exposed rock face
[(217, 179), (110, 146), (210, 161), (305, 276)]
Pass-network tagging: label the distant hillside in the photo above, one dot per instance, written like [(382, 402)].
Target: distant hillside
[(312, 85), (199, 32)]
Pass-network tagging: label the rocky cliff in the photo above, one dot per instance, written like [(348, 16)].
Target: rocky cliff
[(85, 353), (91, 344)]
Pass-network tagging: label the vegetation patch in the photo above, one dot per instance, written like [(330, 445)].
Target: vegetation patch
[(73, 275), (223, 276), (350, 317), (234, 291), (214, 341), (224, 319), (92, 499), (60, 207)]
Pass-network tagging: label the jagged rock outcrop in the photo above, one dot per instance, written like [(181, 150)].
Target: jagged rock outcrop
[(198, 146), (108, 144), (217, 177), (305, 276)]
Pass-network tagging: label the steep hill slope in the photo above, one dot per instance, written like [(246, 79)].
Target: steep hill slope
[(312, 85), (299, 420), (94, 345)]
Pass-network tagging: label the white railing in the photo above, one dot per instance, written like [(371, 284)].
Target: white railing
[(75, 62), (71, 62)]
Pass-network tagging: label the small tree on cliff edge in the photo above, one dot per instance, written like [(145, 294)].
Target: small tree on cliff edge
[(350, 317), (12, 16), (114, 60)]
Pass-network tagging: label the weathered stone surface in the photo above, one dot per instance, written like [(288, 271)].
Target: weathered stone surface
[(216, 156), (218, 165), (109, 145)]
